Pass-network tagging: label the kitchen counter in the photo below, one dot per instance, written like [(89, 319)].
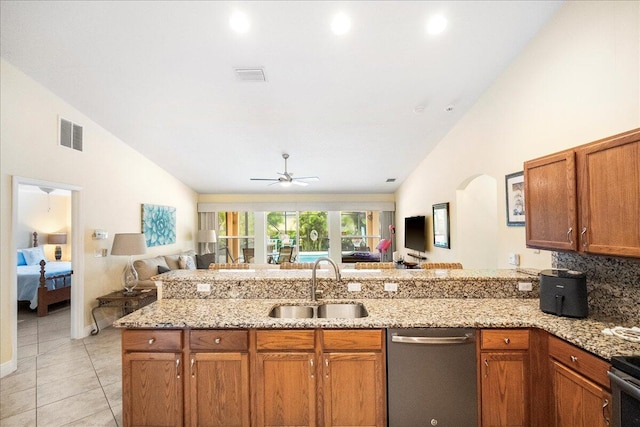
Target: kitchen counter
[(383, 313)]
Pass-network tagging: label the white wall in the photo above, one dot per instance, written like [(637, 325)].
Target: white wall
[(577, 81), (115, 181)]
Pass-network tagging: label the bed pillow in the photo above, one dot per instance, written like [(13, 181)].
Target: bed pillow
[(21, 260), (33, 256), (186, 262)]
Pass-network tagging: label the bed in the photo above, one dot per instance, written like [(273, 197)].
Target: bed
[(42, 282)]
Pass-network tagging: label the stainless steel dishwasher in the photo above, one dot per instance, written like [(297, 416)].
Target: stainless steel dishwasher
[(431, 377)]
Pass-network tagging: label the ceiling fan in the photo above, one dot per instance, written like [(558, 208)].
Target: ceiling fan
[(286, 178)]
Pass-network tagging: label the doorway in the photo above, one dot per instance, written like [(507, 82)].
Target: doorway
[(75, 242)]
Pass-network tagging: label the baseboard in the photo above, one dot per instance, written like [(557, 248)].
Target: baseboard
[(8, 367)]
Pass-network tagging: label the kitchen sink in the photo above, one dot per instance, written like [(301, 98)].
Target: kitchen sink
[(354, 310)]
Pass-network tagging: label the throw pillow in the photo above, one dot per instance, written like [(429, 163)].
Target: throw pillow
[(203, 261), (186, 262), (163, 269), (33, 256), (21, 260)]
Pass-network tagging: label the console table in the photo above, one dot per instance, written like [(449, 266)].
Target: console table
[(127, 303)]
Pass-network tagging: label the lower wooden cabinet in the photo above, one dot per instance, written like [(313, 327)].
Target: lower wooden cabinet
[(581, 388), (504, 377)]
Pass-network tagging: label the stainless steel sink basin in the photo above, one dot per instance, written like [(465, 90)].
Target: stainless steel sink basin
[(342, 311), (353, 310), (292, 312)]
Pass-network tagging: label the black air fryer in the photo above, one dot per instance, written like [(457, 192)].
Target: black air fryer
[(563, 293)]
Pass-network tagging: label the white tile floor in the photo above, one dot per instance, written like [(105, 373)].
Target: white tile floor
[(59, 381)]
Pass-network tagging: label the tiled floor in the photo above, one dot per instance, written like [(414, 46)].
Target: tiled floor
[(59, 381)]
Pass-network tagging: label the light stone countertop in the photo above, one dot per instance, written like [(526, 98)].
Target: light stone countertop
[(385, 313)]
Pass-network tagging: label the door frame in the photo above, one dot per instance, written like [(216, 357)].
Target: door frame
[(77, 251)]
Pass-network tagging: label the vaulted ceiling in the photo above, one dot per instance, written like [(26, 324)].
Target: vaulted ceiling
[(353, 109)]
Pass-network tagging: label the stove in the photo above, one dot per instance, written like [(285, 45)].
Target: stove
[(625, 390)]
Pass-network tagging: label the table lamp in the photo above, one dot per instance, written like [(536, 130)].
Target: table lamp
[(129, 244), (206, 237), (57, 239)]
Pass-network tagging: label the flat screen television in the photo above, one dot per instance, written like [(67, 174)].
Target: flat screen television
[(415, 236)]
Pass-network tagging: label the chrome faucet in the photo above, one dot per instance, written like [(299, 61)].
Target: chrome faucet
[(313, 274)]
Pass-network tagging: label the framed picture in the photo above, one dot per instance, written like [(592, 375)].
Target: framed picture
[(441, 226), (159, 224), (515, 199)]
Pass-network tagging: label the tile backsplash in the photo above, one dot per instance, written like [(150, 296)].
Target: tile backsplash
[(613, 283)]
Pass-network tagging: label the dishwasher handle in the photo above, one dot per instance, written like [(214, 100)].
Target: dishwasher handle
[(431, 340)]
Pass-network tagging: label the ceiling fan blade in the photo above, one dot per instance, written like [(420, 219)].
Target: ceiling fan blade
[(300, 183), (264, 179), (308, 178)]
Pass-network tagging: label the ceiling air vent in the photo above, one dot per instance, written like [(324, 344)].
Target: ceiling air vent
[(70, 134), (255, 74)]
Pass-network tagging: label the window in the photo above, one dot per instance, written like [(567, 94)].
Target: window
[(360, 230), (307, 232), (235, 232)]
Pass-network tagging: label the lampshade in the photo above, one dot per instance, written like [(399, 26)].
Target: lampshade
[(129, 244), (57, 239), (207, 236)]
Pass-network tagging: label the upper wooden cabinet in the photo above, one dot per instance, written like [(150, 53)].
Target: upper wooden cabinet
[(586, 199)]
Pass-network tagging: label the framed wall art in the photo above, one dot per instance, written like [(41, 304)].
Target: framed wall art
[(159, 224), (441, 235), (515, 199)]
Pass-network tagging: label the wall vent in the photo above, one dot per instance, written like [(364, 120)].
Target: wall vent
[(70, 134), (250, 74)]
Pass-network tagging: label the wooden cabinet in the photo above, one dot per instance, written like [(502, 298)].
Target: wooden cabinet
[(353, 378), (152, 372), (587, 198), (581, 396), (218, 379), (504, 377), (347, 388), (285, 378)]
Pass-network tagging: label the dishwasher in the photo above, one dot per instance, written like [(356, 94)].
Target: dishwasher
[(431, 377)]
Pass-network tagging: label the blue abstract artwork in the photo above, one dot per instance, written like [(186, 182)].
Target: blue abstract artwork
[(159, 224)]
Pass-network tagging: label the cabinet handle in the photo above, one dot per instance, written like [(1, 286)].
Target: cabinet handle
[(178, 368), (326, 365), (569, 234), (193, 362), (605, 404), (311, 368), (583, 237), (573, 358), (217, 340), (486, 368), (151, 340), (507, 340)]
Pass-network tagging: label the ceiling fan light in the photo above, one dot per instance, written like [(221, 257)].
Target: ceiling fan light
[(285, 183)]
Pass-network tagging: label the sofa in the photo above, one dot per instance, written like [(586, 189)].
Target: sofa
[(149, 267)]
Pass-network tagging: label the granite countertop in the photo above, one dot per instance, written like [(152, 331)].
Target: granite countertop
[(384, 313)]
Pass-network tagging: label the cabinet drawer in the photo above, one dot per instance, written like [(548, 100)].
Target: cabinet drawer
[(352, 340), (219, 340), (151, 340), (580, 361), (505, 339), (285, 340)]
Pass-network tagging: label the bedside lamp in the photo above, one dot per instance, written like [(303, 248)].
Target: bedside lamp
[(206, 237), (129, 244), (57, 239)]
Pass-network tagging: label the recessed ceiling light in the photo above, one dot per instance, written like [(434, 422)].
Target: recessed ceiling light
[(341, 24), (239, 22), (436, 24)]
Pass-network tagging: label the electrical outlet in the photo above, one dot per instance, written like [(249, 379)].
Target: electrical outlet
[(514, 259), (354, 287), (525, 286), (391, 287), (204, 287)]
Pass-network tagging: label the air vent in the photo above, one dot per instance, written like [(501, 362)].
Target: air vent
[(70, 134), (250, 74), (391, 180)]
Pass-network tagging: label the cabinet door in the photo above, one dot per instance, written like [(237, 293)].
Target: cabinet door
[(550, 201), (354, 389), (578, 402), (504, 388), (285, 389), (219, 389), (152, 389), (609, 174)]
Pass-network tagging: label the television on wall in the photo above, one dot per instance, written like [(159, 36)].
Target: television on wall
[(415, 236)]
